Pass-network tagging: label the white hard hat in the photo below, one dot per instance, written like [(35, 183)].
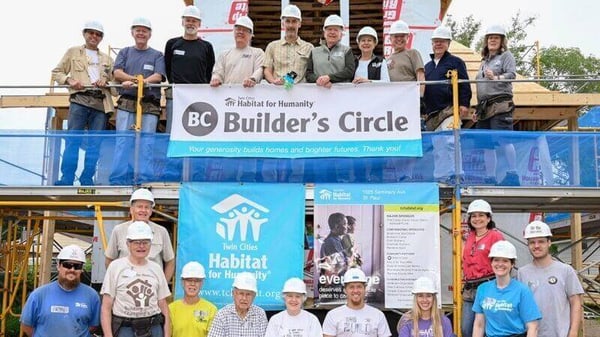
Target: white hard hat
[(291, 11), (333, 20), (192, 12), (193, 269), (424, 285), (245, 21), (354, 275), (294, 285), (143, 22), (495, 30), (93, 25), (399, 27), (503, 249), (245, 281), (139, 230), (479, 205), (367, 30), (72, 252), (442, 32), (142, 194), (536, 229)]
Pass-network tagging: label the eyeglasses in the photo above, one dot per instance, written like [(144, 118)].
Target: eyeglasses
[(71, 265), (140, 242)]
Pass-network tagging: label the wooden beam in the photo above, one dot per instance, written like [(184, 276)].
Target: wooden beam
[(545, 113)]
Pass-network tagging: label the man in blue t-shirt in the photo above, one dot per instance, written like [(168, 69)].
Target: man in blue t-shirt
[(64, 307), (139, 59)]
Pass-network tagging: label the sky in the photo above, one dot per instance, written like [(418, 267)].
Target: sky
[(35, 34)]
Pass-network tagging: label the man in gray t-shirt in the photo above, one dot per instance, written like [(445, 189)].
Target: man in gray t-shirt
[(555, 285)]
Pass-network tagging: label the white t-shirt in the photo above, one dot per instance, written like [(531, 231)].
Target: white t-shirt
[(364, 322), (304, 324), (135, 290)]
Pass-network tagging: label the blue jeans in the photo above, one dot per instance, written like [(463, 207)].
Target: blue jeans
[(468, 317), (123, 160), (79, 117), (127, 331)]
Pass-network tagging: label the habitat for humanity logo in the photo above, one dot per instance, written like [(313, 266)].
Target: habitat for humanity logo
[(239, 212), (338, 195)]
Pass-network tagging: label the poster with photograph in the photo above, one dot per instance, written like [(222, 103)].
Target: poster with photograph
[(355, 225)]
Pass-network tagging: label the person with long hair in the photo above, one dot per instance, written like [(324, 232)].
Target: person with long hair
[(475, 260), (504, 306), (425, 314), (495, 104)]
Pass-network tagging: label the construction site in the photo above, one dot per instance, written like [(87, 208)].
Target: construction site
[(560, 160)]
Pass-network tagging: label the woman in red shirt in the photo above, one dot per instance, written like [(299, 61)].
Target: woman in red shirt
[(475, 260)]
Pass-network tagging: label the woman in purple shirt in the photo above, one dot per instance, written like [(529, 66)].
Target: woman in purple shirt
[(425, 315)]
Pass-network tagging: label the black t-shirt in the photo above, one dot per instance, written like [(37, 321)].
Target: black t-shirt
[(189, 61)]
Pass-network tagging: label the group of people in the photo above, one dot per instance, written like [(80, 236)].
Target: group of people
[(543, 300), (189, 59)]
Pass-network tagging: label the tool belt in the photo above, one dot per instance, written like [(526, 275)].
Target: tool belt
[(493, 106), (142, 327), (150, 104), (98, 94), (434, 119), (470, 287)]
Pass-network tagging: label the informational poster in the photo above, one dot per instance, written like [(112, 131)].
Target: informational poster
[(231, 228), (306, 121), (359, 225)]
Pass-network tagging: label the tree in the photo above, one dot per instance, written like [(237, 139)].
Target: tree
[(568, 63), (464, 32)]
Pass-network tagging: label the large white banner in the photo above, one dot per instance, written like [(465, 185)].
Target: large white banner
[(378, 119)]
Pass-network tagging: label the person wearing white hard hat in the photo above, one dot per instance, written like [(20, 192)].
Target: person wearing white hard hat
[(555, 285), (242, 64), (139, 59), (425, 314), (476, 265), (161, 250), (366, 320), (288, 55), (294, 320), (437, 106), (64, 307), (135, 290), (495, 104), (369, 67), (87, 71), (331, 62), (505, 306), (188, 58), (404, 64), (242, 317), (191, 315)]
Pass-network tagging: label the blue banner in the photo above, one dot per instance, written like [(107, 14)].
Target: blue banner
[(230, 228)]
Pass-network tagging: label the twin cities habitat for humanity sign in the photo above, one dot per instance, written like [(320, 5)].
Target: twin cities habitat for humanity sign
[(376, 119), (231, 228)]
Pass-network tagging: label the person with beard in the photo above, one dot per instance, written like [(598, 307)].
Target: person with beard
[(294, 321), (366, 320), (241, 318), (161, 251), (555, 286), (286, 56), (134, 291), (64, 307), (188, 58), (192, 315)]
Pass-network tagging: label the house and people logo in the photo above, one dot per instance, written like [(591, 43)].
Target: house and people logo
[(239, 216)]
